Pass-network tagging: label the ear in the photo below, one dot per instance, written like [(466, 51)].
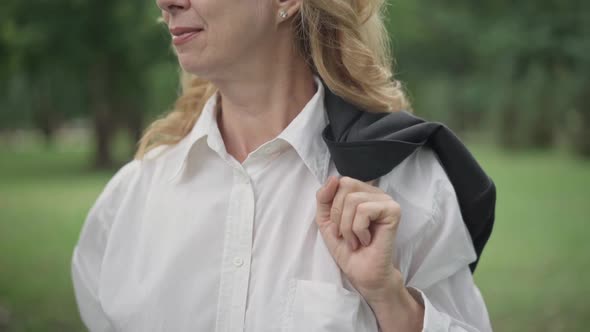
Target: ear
[(286, 9)]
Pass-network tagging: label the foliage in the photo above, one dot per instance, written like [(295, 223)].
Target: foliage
[(66, 59), (517, 68)]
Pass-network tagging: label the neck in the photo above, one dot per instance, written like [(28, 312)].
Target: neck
[(259, 104)]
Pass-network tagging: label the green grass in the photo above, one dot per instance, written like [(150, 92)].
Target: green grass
[(534, 274), (535, 271), (44, 197)]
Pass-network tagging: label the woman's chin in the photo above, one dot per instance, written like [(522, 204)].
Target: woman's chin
[(192, 67)]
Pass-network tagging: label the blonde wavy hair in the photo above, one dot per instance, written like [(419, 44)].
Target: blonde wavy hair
[(344, 42)]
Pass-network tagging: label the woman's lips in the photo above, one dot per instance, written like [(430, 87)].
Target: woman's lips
[(181, 35)]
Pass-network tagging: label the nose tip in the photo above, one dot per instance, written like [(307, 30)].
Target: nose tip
[(172, 6)]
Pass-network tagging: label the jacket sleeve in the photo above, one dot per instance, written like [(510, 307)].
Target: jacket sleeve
[(90, 248), (436, 268)]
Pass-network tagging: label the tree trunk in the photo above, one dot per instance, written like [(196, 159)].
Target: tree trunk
[(135, 126), (47, 124), (103, 132), (541, 135), (102, 115), (129, 110), (508, 127), (581, 139), (45, 117), (583, 142)]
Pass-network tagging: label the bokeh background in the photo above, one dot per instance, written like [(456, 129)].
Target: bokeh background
[(79, 80)]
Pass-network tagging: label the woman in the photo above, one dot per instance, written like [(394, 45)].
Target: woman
[(233, 217)]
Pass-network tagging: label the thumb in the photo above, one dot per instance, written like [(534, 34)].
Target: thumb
[(324, 197)]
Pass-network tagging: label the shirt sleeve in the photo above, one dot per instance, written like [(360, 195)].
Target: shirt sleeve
[(437, 270), (89, 251)]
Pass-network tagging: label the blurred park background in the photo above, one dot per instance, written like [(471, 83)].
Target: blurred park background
[(79, 80)]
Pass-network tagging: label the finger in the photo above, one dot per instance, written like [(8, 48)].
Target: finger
[(358, 185), (371, 182), (347, 185), (362, 221), (351, 201), (381, 218), (324, 198), (360, 227)]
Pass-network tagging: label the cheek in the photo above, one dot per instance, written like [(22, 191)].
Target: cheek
[(234, 29), (239, 22), (165, 17)]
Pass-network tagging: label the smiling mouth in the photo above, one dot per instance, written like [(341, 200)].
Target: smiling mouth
[(181, 35)]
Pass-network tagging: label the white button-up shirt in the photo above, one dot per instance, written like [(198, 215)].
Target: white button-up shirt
[(189, 239)]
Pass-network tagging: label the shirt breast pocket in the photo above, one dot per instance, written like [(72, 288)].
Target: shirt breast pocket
[(317, 306)]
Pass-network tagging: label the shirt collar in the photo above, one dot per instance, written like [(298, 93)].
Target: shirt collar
[(201, 129), (303, 133)]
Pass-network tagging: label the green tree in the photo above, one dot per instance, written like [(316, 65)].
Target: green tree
[(66, 58)]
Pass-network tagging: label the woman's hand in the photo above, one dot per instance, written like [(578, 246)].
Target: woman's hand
[(358, 223)]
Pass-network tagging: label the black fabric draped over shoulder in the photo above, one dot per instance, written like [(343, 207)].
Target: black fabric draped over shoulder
[(367, 145)]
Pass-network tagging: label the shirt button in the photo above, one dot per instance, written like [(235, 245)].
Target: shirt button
[(238, 261)]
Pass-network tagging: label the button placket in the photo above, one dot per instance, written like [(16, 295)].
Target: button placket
[(235, 277), (242, 249)]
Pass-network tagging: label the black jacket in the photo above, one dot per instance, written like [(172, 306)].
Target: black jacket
[(366, 145)]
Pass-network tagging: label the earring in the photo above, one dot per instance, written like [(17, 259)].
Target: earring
[(283, 13)]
